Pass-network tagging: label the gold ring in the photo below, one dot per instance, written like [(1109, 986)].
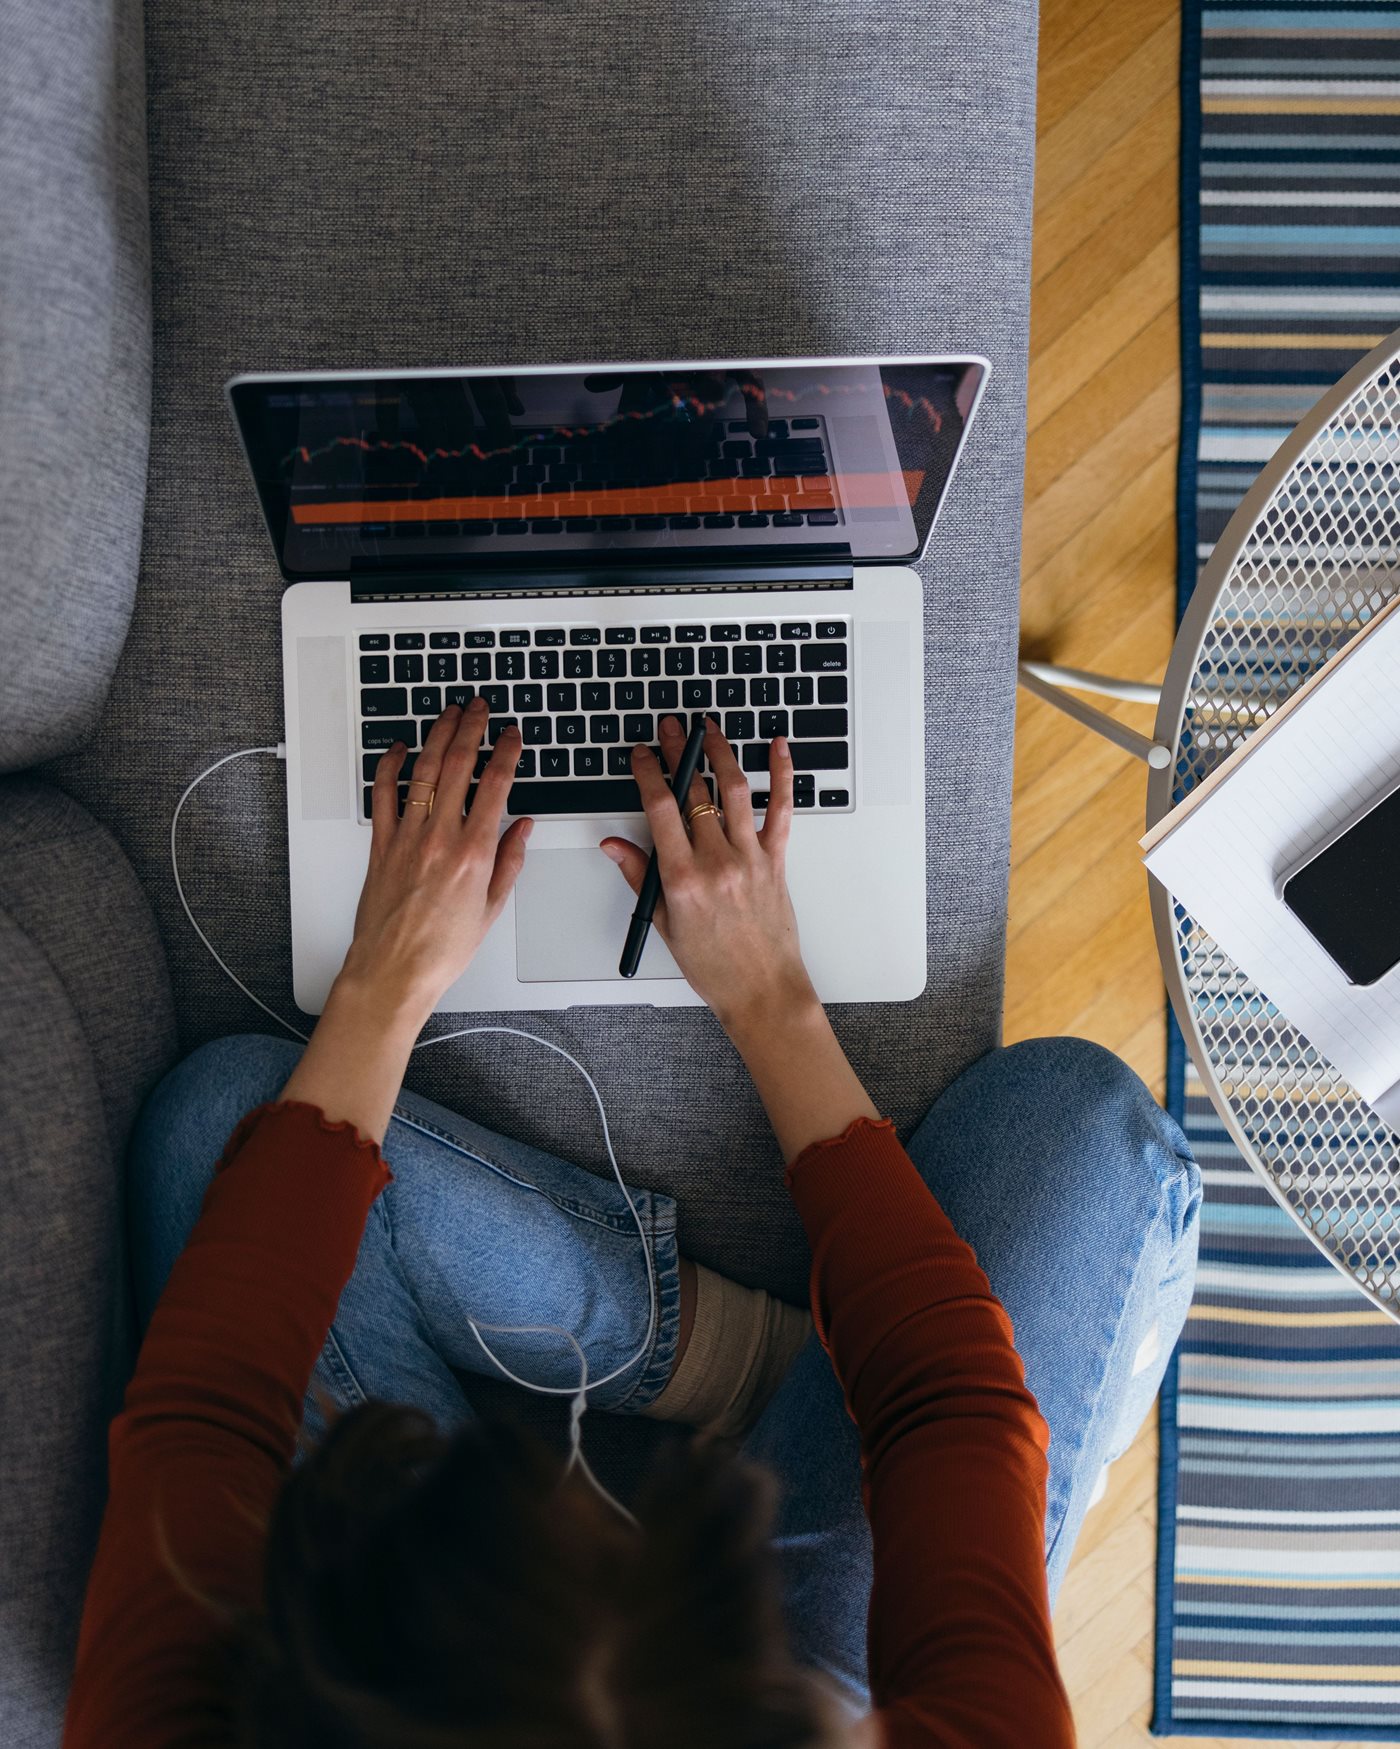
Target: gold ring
[(699, 809), (413, 802), (423, 782)]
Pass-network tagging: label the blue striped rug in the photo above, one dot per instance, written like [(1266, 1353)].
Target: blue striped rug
[(1278, 1595)]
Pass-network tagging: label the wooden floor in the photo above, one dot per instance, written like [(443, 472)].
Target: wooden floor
[(1098, 571)]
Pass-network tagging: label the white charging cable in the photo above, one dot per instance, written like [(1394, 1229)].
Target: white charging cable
[(579, 1392)]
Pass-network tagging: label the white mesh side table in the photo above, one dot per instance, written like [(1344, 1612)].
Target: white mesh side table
[(1310, 555)]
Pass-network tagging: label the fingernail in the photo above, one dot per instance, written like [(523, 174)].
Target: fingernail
[(642, 749), (398, 747), (784, 752), (611, 851), (526, 830)]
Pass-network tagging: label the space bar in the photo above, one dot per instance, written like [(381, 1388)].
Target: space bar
[(597, 795)]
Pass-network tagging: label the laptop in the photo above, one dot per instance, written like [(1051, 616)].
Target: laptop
[(592, 547)]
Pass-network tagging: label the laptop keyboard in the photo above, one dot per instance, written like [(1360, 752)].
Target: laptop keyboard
[(583, 696)]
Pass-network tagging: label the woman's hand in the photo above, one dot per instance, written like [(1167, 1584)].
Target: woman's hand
[(437, 881), (726, 915)]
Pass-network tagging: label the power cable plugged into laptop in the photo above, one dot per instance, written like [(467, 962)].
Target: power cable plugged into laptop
[(578, 1394)]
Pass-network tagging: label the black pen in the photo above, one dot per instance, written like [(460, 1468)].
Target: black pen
[(640, 926)]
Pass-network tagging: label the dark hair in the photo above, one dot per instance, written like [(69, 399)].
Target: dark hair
[(424, 1591)]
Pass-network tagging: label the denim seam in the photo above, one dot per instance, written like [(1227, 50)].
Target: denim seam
[(582, 1211), (1130, 1271)]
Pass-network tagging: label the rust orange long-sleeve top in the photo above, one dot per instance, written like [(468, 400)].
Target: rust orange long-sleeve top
[(953, 1444)]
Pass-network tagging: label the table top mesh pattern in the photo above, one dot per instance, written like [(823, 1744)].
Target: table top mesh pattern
[(1319, 562)]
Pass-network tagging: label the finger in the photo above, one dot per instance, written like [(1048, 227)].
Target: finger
[(774, 835), (510, 859), (493, 792), (458, 759), (673, 734), (663, 816), (384, 803), (633, 860), (734, 795)]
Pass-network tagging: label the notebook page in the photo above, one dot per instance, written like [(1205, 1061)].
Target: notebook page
[(1319, 769)]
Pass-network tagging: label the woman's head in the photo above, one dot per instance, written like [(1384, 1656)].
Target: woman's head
[(423, 1592)]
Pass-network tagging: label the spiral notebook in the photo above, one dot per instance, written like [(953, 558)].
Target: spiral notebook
[(1320, 762)]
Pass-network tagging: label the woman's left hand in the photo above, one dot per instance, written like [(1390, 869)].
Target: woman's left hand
[(437, 879)]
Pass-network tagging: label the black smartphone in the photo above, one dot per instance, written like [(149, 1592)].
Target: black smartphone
[(1348, 895)]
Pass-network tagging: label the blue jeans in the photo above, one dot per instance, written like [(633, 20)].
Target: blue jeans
[(1076, 1191)]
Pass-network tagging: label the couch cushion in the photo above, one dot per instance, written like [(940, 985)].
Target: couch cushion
[(486, 184), (88, 1029), (75, 359)]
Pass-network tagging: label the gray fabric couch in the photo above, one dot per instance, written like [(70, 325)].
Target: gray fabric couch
[(379, 185)]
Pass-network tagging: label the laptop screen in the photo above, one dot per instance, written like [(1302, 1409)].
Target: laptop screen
[(437, 470)]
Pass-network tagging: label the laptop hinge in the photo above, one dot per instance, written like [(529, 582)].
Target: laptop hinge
[(517, 585)]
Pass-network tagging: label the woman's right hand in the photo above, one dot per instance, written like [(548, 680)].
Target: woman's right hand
[(726, 915)]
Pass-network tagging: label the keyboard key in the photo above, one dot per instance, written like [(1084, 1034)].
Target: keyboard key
[(588, 762), (409, 640), (612, 664), (479, 640), (608, 795), (584, 635), (525, 765), (551, 635), (731, 692), (442, 668), (831, 628), (514, 640), (796, 631), (497, 699), (369, 803), (684, 521), (680, 659), (595, 696), (804, 783), (510, 665), (476, 665), (690, 634), (562, 696), (805, 424), (696, 694), (782, 658), (831, 689), (554, 762), (823, 658), (662, 695), (656, 634), (371, 765), (374, 640), (760, 634), (646, 663), (461, 696), (498, 726), (570, 731), (382, 733), (753, 520), (638, 728), (753, 756), (771, 724), (629, 695), (536, 731), (427, 701), (759, 798), (820, 725), (724, 634), (803, 801), (408, 669), (604, 730), (834, 798), (820, 755), (578, 664), (764, 691), (619, 761), (747, 658), (719, 519), (384, 701), (444, 640), (374, 670), (714, 660), (620, 635), (739, 725), (544, 665), (822, 518), (797, 689), (525, 699), (787, 520)]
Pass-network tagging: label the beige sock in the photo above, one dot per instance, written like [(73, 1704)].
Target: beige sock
[(741, 1345)]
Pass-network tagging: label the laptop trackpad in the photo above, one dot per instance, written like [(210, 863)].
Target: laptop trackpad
[(572, 908)]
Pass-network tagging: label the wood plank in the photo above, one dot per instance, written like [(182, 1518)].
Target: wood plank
[(1080, 68)]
